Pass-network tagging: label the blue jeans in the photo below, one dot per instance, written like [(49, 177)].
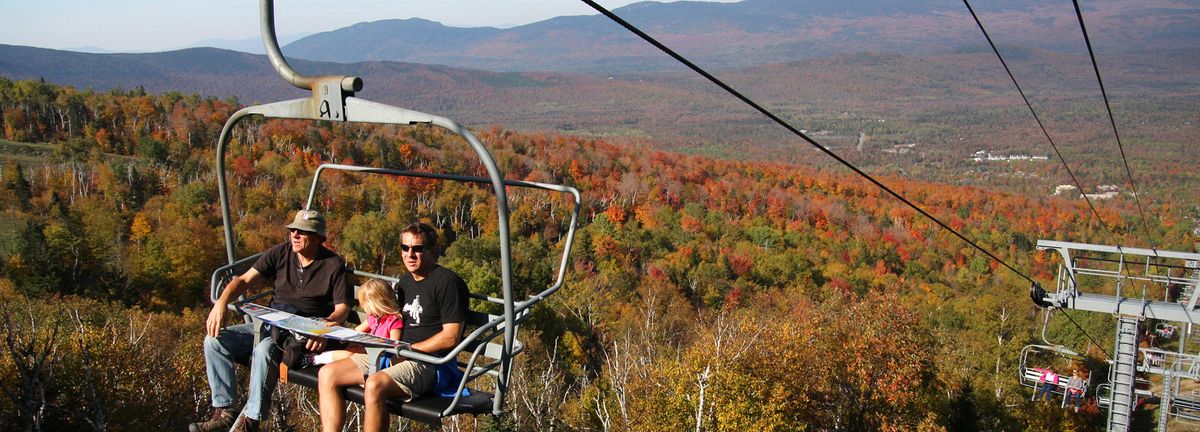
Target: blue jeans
[(237, 342), (1077, 396), (1047, 390)]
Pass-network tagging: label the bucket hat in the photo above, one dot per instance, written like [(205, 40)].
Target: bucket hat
[(309, 220)]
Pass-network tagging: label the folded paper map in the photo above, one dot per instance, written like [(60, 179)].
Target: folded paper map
[(312, 327)]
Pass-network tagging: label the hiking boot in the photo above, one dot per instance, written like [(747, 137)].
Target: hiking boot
[(221, 419), (245, 424)]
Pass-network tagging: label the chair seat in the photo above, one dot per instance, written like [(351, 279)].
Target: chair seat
[(426, 409)]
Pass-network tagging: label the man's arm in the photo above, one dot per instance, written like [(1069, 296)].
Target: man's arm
[(340, 312), (445, 339), (343, 293), (235, 288)]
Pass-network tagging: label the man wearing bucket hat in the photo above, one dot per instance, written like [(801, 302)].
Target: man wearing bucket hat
[(309, 280)]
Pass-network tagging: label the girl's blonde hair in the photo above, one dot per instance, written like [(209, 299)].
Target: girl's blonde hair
[(377, 298)]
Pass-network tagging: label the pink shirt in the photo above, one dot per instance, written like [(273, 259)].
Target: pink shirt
[(1050, 376), (384, 327)]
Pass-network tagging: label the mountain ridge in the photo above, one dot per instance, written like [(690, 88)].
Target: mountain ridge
[(753, 32), (935, 98)]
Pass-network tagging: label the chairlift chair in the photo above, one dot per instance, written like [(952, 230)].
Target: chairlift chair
[(1187, 406), (1104, 395), (1166, 330), (1034, 356), (1142, 391), (494, 336)]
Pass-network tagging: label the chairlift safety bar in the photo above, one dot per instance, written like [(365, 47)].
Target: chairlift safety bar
[(577, 204)]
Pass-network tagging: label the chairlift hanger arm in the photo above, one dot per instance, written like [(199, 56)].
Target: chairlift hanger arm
[(361, 111), (271, 44), (380, 113), (1054, 244)]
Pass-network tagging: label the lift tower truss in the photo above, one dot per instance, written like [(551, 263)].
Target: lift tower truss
[(1133, 285)]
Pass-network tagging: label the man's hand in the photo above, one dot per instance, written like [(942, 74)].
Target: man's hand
[(235, 288), (216, 319), (315, 344)]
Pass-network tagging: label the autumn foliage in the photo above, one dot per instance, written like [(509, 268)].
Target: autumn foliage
[(702, 294)]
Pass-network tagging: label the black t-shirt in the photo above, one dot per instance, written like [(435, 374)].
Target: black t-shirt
[(312, 290), (440, 298)]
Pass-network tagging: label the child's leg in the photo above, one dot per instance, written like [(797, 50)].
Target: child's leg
[(330, 356), (335, 355)]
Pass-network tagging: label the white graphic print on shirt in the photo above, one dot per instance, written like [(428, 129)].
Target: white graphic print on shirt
[(414, 309)]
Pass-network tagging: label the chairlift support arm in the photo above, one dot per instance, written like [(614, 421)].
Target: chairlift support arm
[(1069, 296)]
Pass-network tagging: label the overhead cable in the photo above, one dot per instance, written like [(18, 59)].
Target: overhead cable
[(1112, 120), (1089, 336), (794, 131), (1038, 119), (1062, 159)]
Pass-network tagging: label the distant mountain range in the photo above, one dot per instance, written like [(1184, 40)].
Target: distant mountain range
[(949, 95), (757, 32), (207, 71), (868, 73), (252, 45)]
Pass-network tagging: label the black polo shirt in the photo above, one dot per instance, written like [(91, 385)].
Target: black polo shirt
[(312, 290)]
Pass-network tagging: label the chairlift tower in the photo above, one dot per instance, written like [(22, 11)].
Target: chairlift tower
[(1134, 285)]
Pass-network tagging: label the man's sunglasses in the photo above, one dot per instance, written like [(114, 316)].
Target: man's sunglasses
[(413, 248), (302, 232)]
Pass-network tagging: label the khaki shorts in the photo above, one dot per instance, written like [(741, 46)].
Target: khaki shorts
[(414, 377)]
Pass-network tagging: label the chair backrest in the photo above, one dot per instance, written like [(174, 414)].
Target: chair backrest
[(474, 343)]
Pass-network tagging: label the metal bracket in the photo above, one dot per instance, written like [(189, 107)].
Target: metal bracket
[(330, 100)]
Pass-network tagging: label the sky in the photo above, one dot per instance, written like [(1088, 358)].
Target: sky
[(162, 25)]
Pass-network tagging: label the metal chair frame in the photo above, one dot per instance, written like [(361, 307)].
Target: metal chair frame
[(333, 100)]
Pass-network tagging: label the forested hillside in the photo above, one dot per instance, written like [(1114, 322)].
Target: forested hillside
[(920, 117), (710, 294)]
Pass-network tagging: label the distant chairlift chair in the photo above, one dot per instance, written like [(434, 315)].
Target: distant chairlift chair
[(1035, 355)]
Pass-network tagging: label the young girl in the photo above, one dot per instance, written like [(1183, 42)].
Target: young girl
[(383, 318)]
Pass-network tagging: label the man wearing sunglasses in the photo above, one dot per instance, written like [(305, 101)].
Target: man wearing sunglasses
[(309, 280), (434, 301)]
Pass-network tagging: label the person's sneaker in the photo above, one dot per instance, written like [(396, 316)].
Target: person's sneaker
[(245, 424), (221, 419)]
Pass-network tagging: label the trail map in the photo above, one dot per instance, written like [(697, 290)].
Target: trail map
[(312, 327)]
